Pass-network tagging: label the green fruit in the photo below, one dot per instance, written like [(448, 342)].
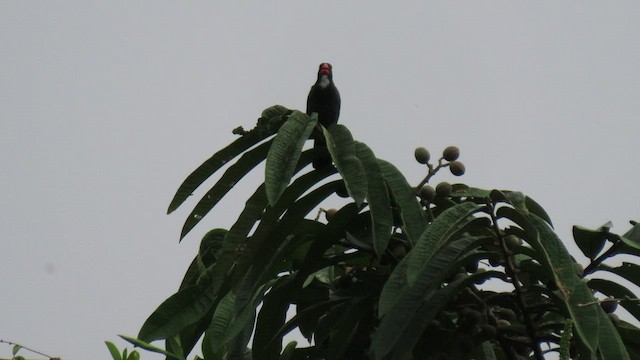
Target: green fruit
[(488, 330), (512, 241), (471, 267), (422, 155), (579, 269), (443, 189), (609, 306), (456, 168), (427, 193), (507, 314), (503, 323), (328, 214), (451, 153), (399, 252), (468, 319)]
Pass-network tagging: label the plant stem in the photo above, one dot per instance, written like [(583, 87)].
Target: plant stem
[(511, 271), (432, 172), (26, 348)]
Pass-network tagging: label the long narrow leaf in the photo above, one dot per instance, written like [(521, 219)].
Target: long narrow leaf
[(145, 345), (284, 153), (378, 199), (412, 214), (431, 306), (610, 345), (266, 241), (268, 125), (439, 233), (229, 179), (404, 311), (560, 266), (615, 290), (178, 311), (343, 152)]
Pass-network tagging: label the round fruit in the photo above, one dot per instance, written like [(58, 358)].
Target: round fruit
[(488, 330), (422, 155), (579, 269), (512, 241), (507, 314), (451, 153), (456, 168), (471, 267), (443, 189), (328, 214), (609, 306), (427, 193), (399, 252)]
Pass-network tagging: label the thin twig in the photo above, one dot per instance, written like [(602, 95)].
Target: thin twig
[(26, 348)]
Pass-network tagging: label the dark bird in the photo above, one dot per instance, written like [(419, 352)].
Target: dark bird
[(323, 99)]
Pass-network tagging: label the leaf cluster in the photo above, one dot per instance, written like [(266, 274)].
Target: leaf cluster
[(389, 275)]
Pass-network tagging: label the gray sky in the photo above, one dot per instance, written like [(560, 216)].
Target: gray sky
[(105, 107)]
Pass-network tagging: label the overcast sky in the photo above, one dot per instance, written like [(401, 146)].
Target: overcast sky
[(105, 107)]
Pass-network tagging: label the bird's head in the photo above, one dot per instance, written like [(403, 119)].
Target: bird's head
[(325, 69), (325, 74)]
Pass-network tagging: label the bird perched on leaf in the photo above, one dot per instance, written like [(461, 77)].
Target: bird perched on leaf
[(323, 99)]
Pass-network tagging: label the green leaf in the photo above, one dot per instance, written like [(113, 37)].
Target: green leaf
[(559, 265), (115, 353), (229, 179), (345, 329), (268, 125), (287, 353), (262, 249), (15, 349), (228, 324), (403, 311), (610, 344), (573, 290), (403, 324), (462, 190), (412, 214), (393, 287), (590, 242), (210, 244), (285, 152), (618, 291), (180, 310), (343, 151), (272, 114), (134, 356), (312, 312), (440, 232), (271, 317), (535, 208), (627, 270), (145, 345), (378, 199), (224, 315)]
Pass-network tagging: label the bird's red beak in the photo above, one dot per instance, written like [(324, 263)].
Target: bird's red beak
[(325, 69)]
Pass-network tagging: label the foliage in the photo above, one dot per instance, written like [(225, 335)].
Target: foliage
[(398, 272)]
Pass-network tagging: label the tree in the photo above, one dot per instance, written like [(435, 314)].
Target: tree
[(398, 272)]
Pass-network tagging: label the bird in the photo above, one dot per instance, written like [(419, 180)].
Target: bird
[(323, 99)]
